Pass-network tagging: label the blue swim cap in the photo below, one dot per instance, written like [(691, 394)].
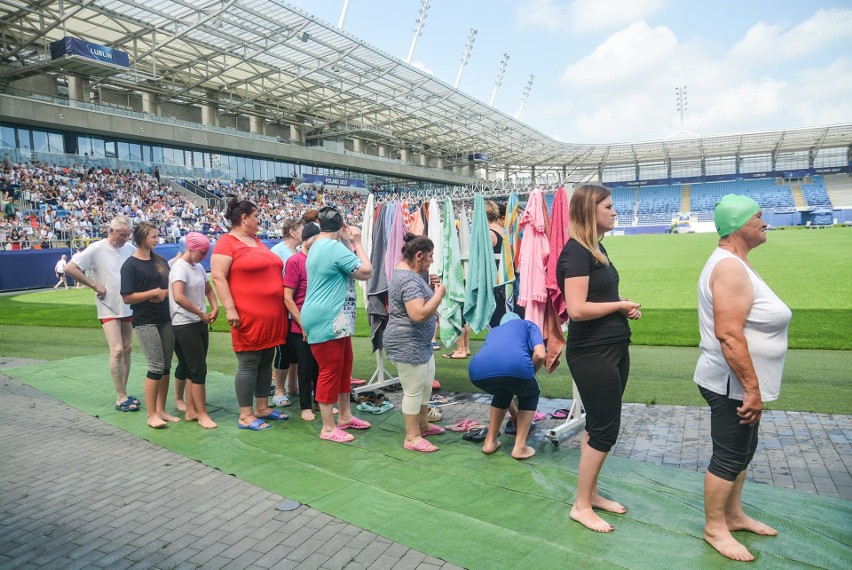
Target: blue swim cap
[(509, 317)]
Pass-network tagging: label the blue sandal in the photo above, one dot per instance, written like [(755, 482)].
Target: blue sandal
[(128, 405), (276, 415), (256, 425)]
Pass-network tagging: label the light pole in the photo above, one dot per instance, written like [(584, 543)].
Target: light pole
[(468, 48), (503, 63), (525, 96), (418, 28), (682, 102)]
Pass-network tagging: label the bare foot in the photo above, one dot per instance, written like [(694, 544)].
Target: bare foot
[(168, 417), (189, 418), (745, 522), (180, 405), (488, 449), (156, 422), (524, 453), (590, 519), (308, 415), (207, 422), (599, 502), (727, 545)]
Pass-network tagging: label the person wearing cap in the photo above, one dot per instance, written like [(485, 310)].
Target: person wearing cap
[(189, 292), (743, 326), (295, 287), (250, 286), (505, 367), (328, 318), (598, 342)]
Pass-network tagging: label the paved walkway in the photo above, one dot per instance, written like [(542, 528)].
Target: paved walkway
[(70, 489)]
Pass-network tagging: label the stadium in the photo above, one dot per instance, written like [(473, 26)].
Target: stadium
[(161, 110)]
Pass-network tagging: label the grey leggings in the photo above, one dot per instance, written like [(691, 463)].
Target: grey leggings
[(254, 375), (158, 344)]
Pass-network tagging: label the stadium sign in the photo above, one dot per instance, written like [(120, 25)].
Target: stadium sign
[(76, 46), (335, 182)]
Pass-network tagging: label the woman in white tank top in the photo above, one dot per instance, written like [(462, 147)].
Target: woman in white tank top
[(743, 327)]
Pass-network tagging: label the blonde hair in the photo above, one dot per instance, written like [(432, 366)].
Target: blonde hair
[(582, 212)]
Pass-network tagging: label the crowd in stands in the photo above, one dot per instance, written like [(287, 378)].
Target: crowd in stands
[(60, 206)]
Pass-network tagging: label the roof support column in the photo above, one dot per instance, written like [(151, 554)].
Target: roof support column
[(532, 174), (439, 164), (297, 134), (358, 145), (424, 160), (255, 125), (78, 88), (404, 155), (383, 151), (149, 103)]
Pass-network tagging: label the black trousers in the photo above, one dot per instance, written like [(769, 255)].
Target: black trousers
[(308, 370), (600, 373), (734, 444)]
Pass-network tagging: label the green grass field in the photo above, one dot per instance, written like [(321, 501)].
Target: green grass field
[(808, 269)]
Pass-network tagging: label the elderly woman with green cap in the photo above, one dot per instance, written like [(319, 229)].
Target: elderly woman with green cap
[(743, 327)]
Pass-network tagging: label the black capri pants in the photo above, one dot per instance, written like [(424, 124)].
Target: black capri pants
[(308, 369), (504, 388), (734, 444), (600, 373), (191, 343)]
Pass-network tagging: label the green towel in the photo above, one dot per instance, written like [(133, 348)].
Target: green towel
[(479, 303), (452, 276)]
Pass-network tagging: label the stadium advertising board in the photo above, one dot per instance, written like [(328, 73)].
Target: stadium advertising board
[(336, 182), (76, 46)]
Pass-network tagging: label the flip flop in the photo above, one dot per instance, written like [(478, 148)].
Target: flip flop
[(560, 414), (276, 415), (433, 430), (383, 407), (257, 425), (476, 435), (422, 446), (337, 436), (437, 400), (538, 416), (367, 407), (127, 406), (464, 424), (451, 357), (436, 346), (357, 382), (355, 423)]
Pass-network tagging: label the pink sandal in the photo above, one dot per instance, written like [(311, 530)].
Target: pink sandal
[(337, 436), (433, 430), (355, 423), (538, 416), (463, 424), (422, 446)]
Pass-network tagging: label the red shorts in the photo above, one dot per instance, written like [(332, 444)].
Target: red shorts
[(122, 319)]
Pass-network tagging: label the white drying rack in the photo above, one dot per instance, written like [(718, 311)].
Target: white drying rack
[(380, 378), (575, 420)]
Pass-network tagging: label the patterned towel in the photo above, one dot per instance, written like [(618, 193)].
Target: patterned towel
[(479, 303), (452, 277)]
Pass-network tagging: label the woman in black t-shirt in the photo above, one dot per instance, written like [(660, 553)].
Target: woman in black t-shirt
[(596, 347), (145, 287)]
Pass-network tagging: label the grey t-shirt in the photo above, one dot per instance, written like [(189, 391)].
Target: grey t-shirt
[(404, 340)]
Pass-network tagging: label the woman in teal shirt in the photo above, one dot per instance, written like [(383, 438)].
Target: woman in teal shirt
[(328, 318)]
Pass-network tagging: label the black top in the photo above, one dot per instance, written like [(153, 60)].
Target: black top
[(576, 261), (140, 275)]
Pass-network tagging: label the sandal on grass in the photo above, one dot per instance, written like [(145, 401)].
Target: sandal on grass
[(452, 356), (422, 446), (337, 436), (276, 415), (560, 414), (433, 430), (464, 424), (435, 345), (282, 401), (354, 423), (538, 416), (127, 406), (257, 425), (434, 414)]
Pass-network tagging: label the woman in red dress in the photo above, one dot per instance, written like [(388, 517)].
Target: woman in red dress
[(251, 289)]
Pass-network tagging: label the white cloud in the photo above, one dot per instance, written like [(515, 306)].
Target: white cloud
[(550, 15), (610, 14), (625, 56), (768, 42)]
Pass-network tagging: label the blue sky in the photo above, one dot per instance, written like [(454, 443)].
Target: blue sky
[(605, 70)]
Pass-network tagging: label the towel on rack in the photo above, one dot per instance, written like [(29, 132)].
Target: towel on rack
[(479, 303), (506, 271), (367, 232), (396, 239), (453, 278), (534, 253), (464, 238), (377, 284), (434, 231), (558, 237)]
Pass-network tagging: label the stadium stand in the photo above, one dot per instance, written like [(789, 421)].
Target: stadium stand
[(658, 204), (624, 202), (815, 194), (839, 190)]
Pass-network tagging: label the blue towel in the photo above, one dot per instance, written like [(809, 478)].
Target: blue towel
[(479, 303)]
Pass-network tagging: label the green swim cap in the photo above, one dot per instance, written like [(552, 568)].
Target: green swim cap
[(732, 212)]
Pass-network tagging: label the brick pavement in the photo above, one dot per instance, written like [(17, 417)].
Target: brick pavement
[(70, 500)]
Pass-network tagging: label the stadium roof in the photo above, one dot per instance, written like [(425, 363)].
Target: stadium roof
[(272, 60)]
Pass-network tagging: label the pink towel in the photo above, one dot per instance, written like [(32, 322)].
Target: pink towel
[(535, 250), (393, 255), (558, 238)]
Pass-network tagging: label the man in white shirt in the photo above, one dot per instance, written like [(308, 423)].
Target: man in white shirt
[(104, 259)]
